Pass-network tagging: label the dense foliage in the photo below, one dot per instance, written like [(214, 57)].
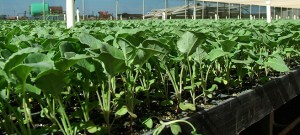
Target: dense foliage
[(125, 77)]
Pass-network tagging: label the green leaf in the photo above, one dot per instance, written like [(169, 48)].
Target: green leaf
[(166, 102), (113, 59), (216, 53), (188, 43), (128, 49), (29, 88), (32, 89), (199, 55), (187, 106), (228, 45), (122, 111), (158, 130), (155, 46), (93, 129), (175, 128), (21, 72), (66, 46), (51, 81), (277, 64), (148, 123), (39, 62), (65, 64), (18, 57), (90, 41)]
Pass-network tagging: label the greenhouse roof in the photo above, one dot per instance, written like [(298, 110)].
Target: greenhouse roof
[(275, 3)]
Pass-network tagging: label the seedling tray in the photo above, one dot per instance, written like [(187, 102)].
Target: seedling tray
[(236, 114)]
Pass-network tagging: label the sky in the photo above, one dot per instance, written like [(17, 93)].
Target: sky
[(17, 7)]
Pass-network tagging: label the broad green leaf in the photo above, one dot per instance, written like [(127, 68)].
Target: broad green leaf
[(148, 49), (216, 53), (29, 88), (39, 62), (228, 45), (51, 81), (155, 46), (113, 59), (128, 50), (148, 123), (277, 64), (142, 57), (199, 55), (175, 128), (66, 46), (18, 57), (188, 43), (86, 65), (187, 106), (1, 65), (65, 64), (21, 72), (90, 41)]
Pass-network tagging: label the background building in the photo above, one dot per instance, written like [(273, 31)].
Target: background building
[(235, 9)]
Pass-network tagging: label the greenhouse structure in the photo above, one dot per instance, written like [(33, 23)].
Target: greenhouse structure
[(239, 9), (150, 67)]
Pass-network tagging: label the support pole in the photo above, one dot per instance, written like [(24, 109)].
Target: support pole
[(269, 19), (216, 17), (163, 17), (117, 4), (143, 9), (166, 12), (240, 11), (70, 13), (251, 17), (217, 9), (185, 3), (195, 10), (83, 10), (229, 6), (259, 12), (203, 6), (78, 15), (44, 13)]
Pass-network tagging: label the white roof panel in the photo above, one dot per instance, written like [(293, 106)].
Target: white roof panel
[(275, 3)]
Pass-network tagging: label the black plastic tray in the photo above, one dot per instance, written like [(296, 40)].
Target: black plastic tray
[(236, 114)]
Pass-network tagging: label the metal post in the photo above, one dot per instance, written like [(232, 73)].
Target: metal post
[(268, 2), (77, 15), (83, 10), (229, 9), (203, 6), (258, 12), (274, 11), (240, 11), (281, 13), (143, 9), (44, 14), (166, 6), (297, 13), (185, 3), (117, 4), (70, 13), (250, 10), (217, 9), (195, 10)]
